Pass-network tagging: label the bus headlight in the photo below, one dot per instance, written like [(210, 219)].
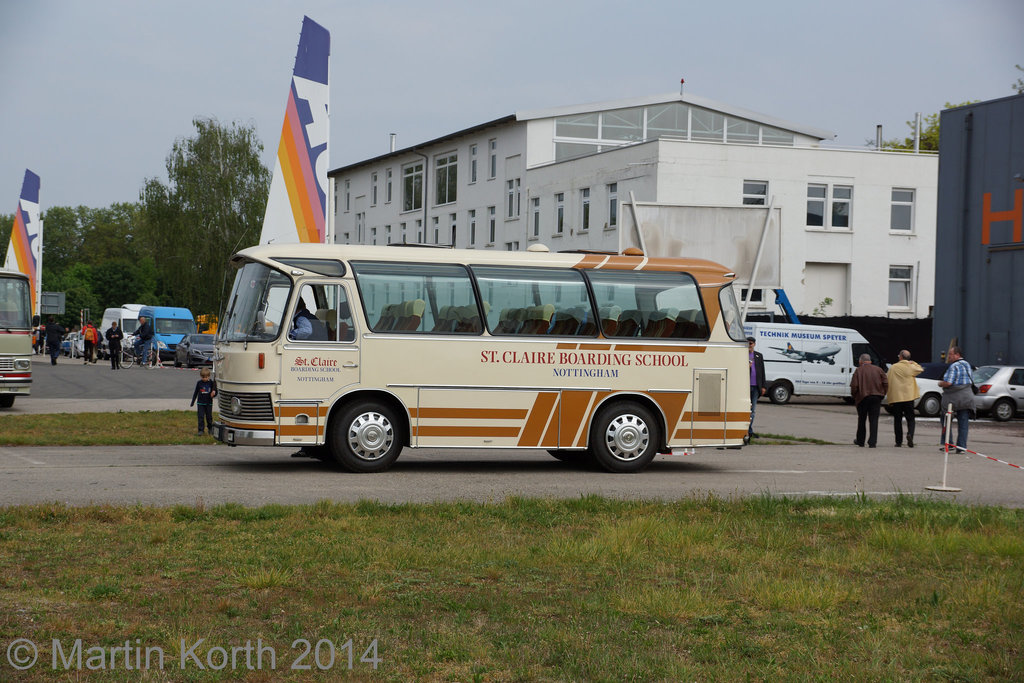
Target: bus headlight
[(22, 364), (236, 405)]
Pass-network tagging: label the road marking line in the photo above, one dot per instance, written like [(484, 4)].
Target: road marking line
[(795, 471), (30, 461)]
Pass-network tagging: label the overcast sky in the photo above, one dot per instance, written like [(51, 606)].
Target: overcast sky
[(95, 93)]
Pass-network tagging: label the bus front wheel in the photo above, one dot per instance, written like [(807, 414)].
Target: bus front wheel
[(366, 438), (624, 437)]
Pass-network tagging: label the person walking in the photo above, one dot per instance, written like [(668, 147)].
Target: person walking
[(867, 386), (54, 334), (757, 383), (958, 392), (903, 391), (202, 399), (114, 336), (91, 338)]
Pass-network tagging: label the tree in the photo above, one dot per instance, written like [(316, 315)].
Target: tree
[(1019, 85), (212, 206), (929, 133)]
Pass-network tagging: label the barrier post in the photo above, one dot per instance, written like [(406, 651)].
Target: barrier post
[(945, 456)]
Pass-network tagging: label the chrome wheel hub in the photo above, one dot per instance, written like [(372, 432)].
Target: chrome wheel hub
[(627, 437), (370, 435)]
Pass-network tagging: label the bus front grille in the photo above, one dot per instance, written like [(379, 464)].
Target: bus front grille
[(241, 406)]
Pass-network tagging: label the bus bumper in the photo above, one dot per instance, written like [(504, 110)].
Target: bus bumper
[(242, 437)]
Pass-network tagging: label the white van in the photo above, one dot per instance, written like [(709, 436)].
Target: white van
[(809, 359), (127, 318)]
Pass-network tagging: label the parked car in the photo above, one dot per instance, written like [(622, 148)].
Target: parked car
[(194, 349), (1000, 390), (73, 345)]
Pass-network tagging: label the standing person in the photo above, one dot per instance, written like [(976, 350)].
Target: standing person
[(903, 391), (91, 337), (868, 386), (54, 334), (114, 336), (144, 339), (202, 399), (957, 391), (757, 383)]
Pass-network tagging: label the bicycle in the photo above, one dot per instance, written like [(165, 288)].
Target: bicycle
[(130, 354)]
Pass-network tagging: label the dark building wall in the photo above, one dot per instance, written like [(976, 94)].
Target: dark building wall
[(979, 264)]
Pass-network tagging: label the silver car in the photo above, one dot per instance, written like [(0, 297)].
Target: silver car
[(1000, 390)]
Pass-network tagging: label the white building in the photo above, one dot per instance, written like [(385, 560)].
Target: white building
[(856, 226)]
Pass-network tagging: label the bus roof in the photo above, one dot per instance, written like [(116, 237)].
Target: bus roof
[(706, 272)]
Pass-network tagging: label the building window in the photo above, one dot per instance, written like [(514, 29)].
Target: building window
[(585, 209), (373, 235), (451, 235), (373, 189), (387, 191), (559, 213), (472, 227), (511, 246), (535, 202), (512, 196), (901, 280), (348, 195), (756, 296), (419, 230), (842, 201), (755, 192), (412, 186), (837, 205), (437, 230), (401, 227), (492, 215), (492, 170), (613, 206), (387, 234), (901, 216), (472, 163), (360, 218), (446, 178)]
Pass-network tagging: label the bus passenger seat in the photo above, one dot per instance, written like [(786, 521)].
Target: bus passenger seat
[(467, 318), (629, 323), (661, 323), (388, 318), (412, 314), (687, 327), (609, 320), (537, 319), (329, 317), (564, 323), (446, 320)]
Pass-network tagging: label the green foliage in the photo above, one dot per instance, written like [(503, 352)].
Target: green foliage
[(929, 133), (1019, 85), (212, 206)]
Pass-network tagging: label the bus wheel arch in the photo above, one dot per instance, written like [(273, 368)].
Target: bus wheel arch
[(367, 431)]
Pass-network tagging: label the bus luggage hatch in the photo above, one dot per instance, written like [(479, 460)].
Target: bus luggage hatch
[(708, 407)]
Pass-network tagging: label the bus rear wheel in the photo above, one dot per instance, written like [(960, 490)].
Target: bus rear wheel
[(365, 438), (7, 401), (624, 437)]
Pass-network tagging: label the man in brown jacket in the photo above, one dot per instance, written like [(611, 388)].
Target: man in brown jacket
[(867, 387), (902, 393)]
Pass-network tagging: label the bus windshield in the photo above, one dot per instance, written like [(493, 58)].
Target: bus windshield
[(14, 306), (256, 305)]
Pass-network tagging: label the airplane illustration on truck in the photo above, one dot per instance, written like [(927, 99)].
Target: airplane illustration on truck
[(823, 355)]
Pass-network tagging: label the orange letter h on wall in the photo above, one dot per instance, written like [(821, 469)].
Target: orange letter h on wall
[(1016, 214)]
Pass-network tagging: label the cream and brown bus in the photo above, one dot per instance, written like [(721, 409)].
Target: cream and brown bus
[(356, 352)]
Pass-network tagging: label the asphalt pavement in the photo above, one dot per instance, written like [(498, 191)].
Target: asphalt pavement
[(215, 473)]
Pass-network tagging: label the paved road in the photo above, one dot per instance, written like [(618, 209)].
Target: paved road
[(255, 476)]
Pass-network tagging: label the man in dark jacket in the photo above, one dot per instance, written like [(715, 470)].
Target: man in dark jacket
[(757, 383), (114, 336), (868, 387), (54, 335), (144, 339)]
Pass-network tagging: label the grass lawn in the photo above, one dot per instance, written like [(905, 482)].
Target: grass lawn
[(159, 427), (584, 589)]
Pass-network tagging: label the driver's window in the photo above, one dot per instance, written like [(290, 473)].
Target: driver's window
[(322, 314)]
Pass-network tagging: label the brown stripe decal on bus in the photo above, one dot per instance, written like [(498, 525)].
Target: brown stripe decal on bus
[(687, 435), (300, 430), (672, 406), (467, 413), (456, 431), (591, 261), (540, 414), (717, 417), (652, 348), (292, 411)]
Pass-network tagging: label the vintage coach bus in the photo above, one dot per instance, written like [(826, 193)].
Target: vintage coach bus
[(614, 357), (15, 337)]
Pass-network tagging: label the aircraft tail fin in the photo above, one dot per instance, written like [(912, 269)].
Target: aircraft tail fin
[(297, 203), (25, 249)]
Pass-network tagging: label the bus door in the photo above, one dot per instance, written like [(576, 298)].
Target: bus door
[(316, 368), (707, 406)]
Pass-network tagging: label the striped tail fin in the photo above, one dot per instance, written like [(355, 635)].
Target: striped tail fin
[(297, 204), (24, 253)]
